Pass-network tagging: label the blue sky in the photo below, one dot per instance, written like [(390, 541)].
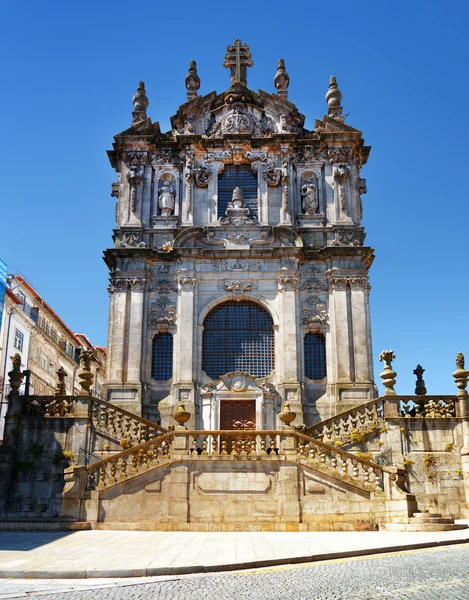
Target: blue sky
[(68, 76)]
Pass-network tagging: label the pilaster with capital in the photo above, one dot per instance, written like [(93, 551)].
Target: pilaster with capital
[(212, 199), (135, 330), (362, 348), (341, 329), (184, 345), (117, 311)]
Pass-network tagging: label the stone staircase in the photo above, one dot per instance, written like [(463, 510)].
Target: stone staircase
[(423, 520)]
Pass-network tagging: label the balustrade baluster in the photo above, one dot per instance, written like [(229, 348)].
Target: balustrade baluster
[(263, 451), (214, 447), (195, 445), (102, 475), (204, 446), (224, 448), (124, 466)]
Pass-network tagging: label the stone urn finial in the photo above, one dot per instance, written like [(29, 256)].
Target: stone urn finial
[(286, 415), (281, 79), (420, 389), (181, 416), (15, 375), (388, 374), (237, 199), (85, 375), (140, 102), (192, 81), (333, 99), (60, 388), (461, 375)]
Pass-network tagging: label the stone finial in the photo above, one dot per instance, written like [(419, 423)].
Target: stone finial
[(281, 79), (181, 416), (60, 388), (85, 375), (140, 102), (388, 373), (15, 375), (333, 98), (192, 81), (461, 375), (420, 389), (237, 200), (287, 416)]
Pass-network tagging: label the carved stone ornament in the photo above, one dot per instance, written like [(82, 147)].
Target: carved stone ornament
[(134, 177), (388, 375), (314, 311), (162, 312), (166, 156), (135, 158), (167, 196), (118, 284), (338, 282), (188, 178), (265, 239), (314, 285), (60, 387), (288, 281), (221, 266), (115, 189), (164, 285), (347, 237), (238, 238), (309, 154), (203, 174), (220, 156), (238, 287), (210, 239), (339, 155), (235, 120), (309, 194), (132, 239), (186, 281), (237, 213)]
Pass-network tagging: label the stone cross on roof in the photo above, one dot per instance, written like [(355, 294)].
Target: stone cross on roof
[(237, 59)]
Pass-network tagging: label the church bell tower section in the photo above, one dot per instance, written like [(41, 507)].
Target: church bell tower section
[(239, 272)]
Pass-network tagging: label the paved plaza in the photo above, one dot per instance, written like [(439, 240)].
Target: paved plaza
[(430, 574)]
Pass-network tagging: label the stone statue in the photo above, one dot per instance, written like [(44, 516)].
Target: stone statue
[(166, 198), (309, 193)]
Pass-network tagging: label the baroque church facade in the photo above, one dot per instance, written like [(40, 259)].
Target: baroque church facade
[(239, 272)]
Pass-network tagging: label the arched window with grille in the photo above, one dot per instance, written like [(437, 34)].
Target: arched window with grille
[(162, 357), (238, 336), (237, 176), (315, 356)]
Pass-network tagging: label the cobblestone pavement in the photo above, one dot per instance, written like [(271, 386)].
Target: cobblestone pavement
[(434, 574)]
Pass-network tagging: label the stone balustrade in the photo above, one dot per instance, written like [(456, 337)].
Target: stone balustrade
[(121, 423), (355, 470), (364, 419), (130, 462), (235, 443), (48, 406), (427, 406)]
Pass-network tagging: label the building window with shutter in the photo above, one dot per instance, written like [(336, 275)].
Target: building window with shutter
[(315, 356)]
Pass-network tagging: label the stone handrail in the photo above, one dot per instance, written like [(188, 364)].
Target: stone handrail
[(364, 419), (234, 442), (119, 422), (128, 463), (47, 406), (427, 406)]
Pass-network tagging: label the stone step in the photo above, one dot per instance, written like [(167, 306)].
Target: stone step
[(36, 525), (421, 527), (431, 519)]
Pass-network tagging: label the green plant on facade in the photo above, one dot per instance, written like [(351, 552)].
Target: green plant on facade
[(449, 447), (365, 455), (408, 463), (62, 455), (338, 443), (383, 429), (458, 472), (357, 437)]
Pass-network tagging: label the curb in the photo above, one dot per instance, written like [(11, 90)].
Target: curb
[(194, 569)]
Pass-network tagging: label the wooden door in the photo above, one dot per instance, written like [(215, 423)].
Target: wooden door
[(238, 415)]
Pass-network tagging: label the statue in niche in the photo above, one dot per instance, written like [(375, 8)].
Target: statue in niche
[(166, 197), (309, 193)]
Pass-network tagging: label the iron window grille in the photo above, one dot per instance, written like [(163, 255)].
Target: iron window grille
[(238, 336), (162, 357), (237, 176), (315, 356)]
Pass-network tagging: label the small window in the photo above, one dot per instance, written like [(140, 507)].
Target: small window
[(237, 176), (21, 296), (19, 339), (51, 368), (69, 349), (162, 359), (34, 353), (40, 388), (43, 361), (315, 356)]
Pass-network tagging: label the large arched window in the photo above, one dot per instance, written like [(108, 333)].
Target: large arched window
[(237, 176), (238, 336), (315, 356), (162, 357)]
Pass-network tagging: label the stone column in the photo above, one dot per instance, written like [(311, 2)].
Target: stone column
[(288, 284), (340, 329), (134, 342), (117, 301), (263, 198), (212, 199), (359, 292)]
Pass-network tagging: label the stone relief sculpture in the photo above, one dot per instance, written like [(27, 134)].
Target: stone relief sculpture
[(309, 194), (167, 196), (202, 175), (134, 177), (314, 311), (341, 172), (188, 178)]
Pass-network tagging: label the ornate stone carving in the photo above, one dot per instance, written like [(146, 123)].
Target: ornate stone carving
[(188, 178), (237, 60), (308, 154), (60, 387), (140, 102), (288, 281), (134, 177), (15, 375), (266, 126), (333, 98), (236, 121), (221, 156), (85, 375), (238, 287), (162, 312), (265, 239), (203, 174), (164, 286), (121, 283), (339, 155), (341, 173), (309, 193), (347, 237), (210, 239), (132, 239), (285, 181), (186, 281), (221, 266), (237, 213), (338, 282), (388, 375), (238, 238), (167, 196), (314, 285), (420, 389), (166, 156), (135, 158), (314, 311), (361, 190), (115, 189)]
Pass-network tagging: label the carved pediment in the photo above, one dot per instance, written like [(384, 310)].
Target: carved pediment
[(239, 382)]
